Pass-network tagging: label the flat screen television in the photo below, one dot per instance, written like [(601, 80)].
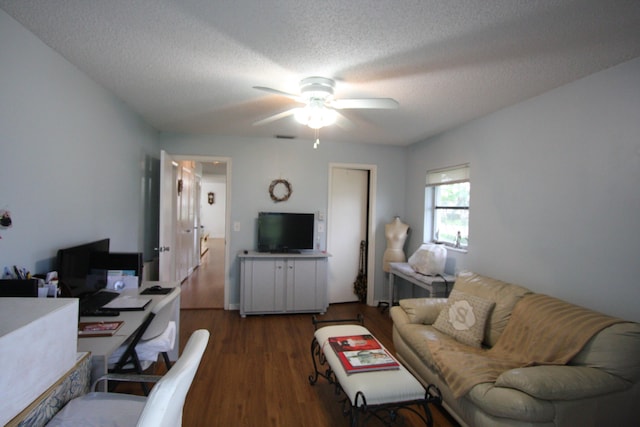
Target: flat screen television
[(282, 232), (74, 268)]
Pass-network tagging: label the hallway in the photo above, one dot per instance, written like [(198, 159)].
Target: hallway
[(204, 288)]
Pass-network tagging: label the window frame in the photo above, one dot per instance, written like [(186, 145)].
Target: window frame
[(435, 180)]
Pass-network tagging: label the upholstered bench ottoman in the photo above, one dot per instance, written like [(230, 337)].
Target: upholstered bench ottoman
[(379, 394)]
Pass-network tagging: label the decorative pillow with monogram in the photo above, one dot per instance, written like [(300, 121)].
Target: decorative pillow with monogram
[(464, 318)]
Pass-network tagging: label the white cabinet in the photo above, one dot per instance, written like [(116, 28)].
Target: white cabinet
[(283, 283)]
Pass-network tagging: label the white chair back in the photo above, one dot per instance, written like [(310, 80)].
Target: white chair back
[(163, 313), (166, 400)]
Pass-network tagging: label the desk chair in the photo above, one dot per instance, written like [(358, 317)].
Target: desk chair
[(162, 408), (155, 336)]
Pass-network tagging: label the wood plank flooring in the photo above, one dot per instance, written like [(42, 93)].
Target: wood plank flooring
[(204, 288)]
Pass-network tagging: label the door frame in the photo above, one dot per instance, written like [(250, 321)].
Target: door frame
[(227, 213), (371, 220)]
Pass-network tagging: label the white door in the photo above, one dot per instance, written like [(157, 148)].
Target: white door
[(347, 228), (168, 184), (197, 221), (185, 257)]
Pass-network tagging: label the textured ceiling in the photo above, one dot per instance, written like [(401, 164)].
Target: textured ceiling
[(188, 66)]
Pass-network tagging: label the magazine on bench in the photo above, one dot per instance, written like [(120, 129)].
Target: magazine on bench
[(362, 353)]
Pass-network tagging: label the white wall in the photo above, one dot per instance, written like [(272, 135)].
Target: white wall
[(213, 216), (555, 191), (73, 159)]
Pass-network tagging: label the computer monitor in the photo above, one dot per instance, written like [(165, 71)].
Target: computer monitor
[(74, 268), (129, 263)]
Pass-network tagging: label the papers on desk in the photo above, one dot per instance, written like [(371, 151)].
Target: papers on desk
[(128, 303)]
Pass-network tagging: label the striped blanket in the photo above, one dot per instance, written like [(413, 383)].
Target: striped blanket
[(542, 331)]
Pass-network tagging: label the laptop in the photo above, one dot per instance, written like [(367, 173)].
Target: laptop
[(128, 303)]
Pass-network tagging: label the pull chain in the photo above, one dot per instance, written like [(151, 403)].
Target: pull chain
[(317, 135)]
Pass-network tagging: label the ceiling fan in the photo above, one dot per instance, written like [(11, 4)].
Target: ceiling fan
[(321, 107)]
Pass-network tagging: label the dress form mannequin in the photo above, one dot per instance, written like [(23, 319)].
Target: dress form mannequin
[(396, 232)]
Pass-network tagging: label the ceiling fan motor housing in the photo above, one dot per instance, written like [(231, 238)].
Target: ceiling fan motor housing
[(317, 88)]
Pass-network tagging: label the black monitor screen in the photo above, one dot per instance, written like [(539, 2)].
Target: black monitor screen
[(128, 263), (74, 267), (285, 232)]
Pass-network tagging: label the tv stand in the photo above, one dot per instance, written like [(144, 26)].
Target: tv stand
[(272, 283)]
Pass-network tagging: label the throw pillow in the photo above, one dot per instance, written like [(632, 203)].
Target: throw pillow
[(464, 318)]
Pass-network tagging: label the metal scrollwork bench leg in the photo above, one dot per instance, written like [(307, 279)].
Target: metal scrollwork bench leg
[(318, 360)]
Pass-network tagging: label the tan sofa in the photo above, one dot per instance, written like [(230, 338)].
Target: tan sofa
[(600, 385)]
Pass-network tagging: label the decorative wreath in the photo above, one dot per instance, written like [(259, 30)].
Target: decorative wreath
[(280, 190)]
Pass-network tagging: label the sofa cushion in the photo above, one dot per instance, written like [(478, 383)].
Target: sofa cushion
[(561, 382), (510, 404), (615, 349), (464, 318), (503, 294), (423, 310), (417, 336)]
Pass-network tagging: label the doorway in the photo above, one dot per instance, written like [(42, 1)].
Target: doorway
[(209, 198), (351, 220)]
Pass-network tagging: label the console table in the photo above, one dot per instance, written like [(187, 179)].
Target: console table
[(283, 283), (436, 286)]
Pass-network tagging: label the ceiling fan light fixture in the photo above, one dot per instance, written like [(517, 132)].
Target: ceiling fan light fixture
[(321, 108), (315, 115)]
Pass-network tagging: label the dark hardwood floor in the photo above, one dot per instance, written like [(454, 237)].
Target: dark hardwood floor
[(255, 370), (204, 288)]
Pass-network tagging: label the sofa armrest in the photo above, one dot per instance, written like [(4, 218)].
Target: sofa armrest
[(561, 382), (399, 316), (422, 310)]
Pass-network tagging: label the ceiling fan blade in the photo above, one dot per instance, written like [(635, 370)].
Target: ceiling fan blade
[(364, 103), (343, 122), (275, 117), (279, 92)]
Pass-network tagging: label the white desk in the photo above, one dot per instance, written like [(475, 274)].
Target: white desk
[(102, 347)]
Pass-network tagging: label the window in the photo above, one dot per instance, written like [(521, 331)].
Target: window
[(447, 206)]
